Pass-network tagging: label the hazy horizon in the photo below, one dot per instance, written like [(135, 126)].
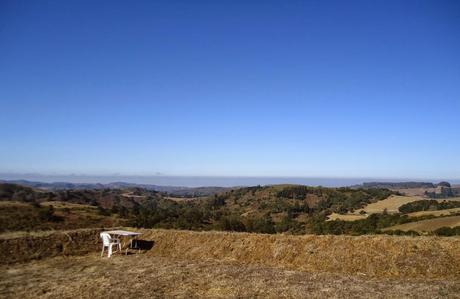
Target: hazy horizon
[(202, 181)]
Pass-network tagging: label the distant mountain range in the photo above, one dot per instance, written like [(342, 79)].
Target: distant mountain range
[(171, 190), (403, 185), (181, 191)]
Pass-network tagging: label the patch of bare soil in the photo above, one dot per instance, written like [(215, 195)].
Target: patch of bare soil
[(145, 276)]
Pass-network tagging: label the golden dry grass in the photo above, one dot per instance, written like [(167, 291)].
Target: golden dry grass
[(345, 217), (220, 264), (63, 205), (372, 256), (13, 204), (452, 199), (391, 204), (145, 276), (23, 246), (428, 225), (445, 212), (378, 256), (132, 195), (182, 199)]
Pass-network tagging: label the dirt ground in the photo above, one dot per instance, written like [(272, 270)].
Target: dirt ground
[(144, 276)]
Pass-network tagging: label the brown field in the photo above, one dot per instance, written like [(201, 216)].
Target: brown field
[(13, 204), (131, 195), (346, 217), (182, 199), (437, 213), (220, 264), (452, 199), (391, 204), (63, 204), (376, 256), (144, 276), (428, 225)]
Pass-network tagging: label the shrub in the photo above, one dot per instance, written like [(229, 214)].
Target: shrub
[(231, 223), (447, 231)]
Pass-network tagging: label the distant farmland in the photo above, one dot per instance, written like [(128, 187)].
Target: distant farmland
[(428, 225), (391, 204)]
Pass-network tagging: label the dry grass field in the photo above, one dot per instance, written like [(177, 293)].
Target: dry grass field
[(145, 276), (391, 204), (187, 264), (453, 199), (428, 225), (181, 199), (345, 217), (437, 213)]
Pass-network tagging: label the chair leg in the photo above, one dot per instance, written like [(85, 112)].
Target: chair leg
[(119, 247), (110, 250), (102, 252)]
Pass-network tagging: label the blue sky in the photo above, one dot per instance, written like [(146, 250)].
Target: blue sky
[(231, 88)]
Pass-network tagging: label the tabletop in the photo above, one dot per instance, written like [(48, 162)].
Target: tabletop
[(122, 233)]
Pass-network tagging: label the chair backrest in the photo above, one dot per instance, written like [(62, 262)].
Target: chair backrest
[(106, 239)]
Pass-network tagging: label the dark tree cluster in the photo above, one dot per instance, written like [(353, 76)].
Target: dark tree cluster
[(428, 205)]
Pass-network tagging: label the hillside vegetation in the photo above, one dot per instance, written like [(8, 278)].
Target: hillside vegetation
[(428, 205), (268, 209), (19, 216), (105, 198), (293, 209)]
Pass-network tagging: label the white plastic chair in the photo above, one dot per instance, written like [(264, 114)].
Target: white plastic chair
[(108, 241)]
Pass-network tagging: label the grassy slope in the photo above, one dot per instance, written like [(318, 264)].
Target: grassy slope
[(436, 213), (259, 201), (428, 225), (391, 204)]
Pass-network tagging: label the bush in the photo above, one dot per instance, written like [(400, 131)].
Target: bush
[(447, 231), (428, 205), (102, 211), (263, 225), (47, 214), (287, 224), (231, 223)]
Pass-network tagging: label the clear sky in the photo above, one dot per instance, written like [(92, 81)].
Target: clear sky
[(250, 88)]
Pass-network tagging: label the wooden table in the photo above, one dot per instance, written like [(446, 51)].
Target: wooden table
[(124, 233)]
